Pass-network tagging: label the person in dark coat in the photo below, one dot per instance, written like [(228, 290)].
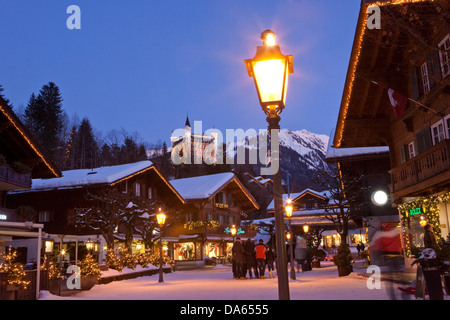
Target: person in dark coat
[(429, 240), (250, 258), (238, 252), (270, 258)]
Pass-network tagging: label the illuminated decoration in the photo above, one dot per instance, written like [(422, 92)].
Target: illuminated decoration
[(415, 211), (430, 212), (289, 208), (350, 81), (270, 70), (236, 231), (15, 276), (222, 205), (379, 198), (25, 136)]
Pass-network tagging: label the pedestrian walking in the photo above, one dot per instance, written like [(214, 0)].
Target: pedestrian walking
[(250, 259), (260, 252), (429, 239), (238, 252), (270, 258)]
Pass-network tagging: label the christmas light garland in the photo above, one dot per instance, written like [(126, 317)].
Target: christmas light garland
[(429, 210)]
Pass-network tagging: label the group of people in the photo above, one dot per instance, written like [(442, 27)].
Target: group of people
[(252, 259)]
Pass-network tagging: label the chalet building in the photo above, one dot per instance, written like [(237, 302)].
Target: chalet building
[(309, 211), (397, 94), (214, 203), (21, 159), (373, 165), (56, 200)]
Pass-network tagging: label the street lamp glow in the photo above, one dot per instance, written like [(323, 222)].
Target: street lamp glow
[(269, 38), (161, 218), (233, 230), (270, 69), (306, 228), (289, 208), (379, 198)]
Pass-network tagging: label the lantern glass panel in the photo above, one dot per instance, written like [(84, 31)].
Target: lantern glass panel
[(269, 76)]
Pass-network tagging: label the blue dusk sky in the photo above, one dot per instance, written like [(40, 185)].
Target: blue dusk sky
[(144, 65)]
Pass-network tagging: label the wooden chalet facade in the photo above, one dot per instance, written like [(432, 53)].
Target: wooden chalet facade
[(214, 203), (21, 159), (309, 210), (57, 200), (407, 60)]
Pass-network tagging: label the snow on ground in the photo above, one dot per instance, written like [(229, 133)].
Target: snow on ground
[(217, 283)]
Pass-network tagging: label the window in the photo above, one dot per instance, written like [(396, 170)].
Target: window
[(411, 150), (425, 78), (447, 126), (137, 190), (437, 131), (444, 56), (149, 193), (44, 216)]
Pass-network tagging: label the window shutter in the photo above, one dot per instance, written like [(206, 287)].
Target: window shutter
[(402, 154), (414, 82), (434, 67), (424, 140)]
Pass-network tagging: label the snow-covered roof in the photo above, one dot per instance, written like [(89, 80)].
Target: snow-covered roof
[(85, 177), (338, 153), (204, 187), (294, 196)]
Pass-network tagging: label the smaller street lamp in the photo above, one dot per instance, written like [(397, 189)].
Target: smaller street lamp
[(233, 231), (305, 228), (289, 209), (161, 219)]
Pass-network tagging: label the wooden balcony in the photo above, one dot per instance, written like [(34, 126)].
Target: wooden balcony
[(428, 169), (12, 180)]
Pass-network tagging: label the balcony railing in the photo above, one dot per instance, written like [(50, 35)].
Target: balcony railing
[(11, 179), (414, 173)]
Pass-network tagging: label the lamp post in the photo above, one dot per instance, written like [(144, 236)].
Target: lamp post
[(288, 208), (161, 219), (270, 70)]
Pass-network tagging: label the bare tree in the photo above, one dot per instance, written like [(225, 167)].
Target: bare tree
[(346, 201)]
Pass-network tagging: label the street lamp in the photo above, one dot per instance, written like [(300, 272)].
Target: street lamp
[(233, 231), (161, 219), (270, 70), (305, 228), (289, 208)]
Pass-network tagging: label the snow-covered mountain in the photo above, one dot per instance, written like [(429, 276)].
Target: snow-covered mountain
[(302, 155)]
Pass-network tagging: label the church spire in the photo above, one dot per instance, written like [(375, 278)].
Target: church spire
[(187, 124)]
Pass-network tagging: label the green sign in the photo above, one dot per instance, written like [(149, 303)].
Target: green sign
[(415, 211)]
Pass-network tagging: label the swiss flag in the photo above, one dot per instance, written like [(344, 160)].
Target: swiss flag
[(398, 102)]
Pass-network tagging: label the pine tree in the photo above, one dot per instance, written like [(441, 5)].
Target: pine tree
[(3, 96), (43, 116), (86, 151)]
